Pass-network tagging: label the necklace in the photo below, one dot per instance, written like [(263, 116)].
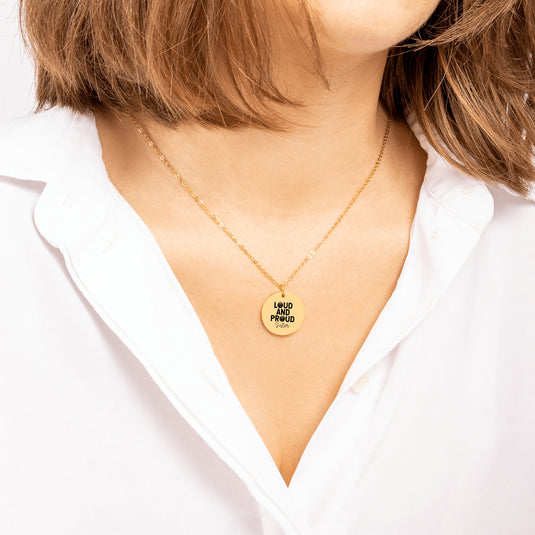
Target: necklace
[(283, 312)]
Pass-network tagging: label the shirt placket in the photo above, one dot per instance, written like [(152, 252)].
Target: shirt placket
[(113, 259), (335, 458)]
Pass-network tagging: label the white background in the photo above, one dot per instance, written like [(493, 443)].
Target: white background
[(16, 79)]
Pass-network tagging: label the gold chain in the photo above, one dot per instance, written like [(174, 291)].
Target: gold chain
[(223, 227)]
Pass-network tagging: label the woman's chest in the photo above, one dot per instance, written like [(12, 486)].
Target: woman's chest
[(286, 384)]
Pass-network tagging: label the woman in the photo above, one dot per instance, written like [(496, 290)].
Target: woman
[(349, 348)]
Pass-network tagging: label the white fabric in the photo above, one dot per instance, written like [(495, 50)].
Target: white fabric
[(117, 418)]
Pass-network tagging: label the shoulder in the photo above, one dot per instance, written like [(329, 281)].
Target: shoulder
[(25, 162), (18, 197), (514, 215), (43, 157), (46, 146), (505, 256), (35, 153), (20, 240)]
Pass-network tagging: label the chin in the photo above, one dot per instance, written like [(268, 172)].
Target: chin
[(367, 26)]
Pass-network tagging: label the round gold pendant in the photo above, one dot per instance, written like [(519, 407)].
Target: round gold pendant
[(283, 315)]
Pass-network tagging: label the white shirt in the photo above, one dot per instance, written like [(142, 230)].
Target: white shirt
[(117, 418)]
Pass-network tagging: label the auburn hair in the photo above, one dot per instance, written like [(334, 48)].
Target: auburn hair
[(468, 73)]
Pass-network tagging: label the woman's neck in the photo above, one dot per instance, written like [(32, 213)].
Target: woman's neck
[(315, 168)]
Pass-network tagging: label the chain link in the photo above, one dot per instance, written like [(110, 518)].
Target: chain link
[(225, 229)]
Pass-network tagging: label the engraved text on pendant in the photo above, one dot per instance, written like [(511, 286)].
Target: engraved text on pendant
[(283, 315)]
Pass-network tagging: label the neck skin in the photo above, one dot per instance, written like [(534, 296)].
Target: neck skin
[(314, 169)]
